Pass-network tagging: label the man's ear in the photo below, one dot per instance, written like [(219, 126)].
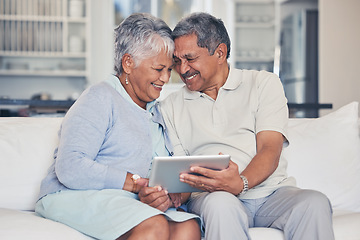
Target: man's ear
[(127, 63), (221, 52)]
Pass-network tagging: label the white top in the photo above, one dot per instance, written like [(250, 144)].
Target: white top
[(249, 102)]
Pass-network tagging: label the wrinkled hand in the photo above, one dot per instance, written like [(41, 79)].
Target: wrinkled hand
[(142, 182), (155, 197), (212, 180), (175, 199)]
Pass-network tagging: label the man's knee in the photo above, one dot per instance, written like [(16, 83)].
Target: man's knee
[(224, 216), (315, 199), (321, 201), (220, 200), (223, 204), (314, 203)]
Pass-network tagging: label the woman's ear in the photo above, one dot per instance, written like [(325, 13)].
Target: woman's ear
[(221, 52), (127, 63)]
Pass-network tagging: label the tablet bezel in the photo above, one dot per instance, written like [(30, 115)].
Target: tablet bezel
[(166, 170)]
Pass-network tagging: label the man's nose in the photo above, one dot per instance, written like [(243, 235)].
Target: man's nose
[(184, 67)]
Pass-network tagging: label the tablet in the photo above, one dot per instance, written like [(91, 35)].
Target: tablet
[(166, 170)]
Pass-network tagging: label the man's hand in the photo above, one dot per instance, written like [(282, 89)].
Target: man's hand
[(155, 197), (212, 180)]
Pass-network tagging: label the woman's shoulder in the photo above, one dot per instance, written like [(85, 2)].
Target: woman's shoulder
[(99, 93), (100, 88), (97, 97)]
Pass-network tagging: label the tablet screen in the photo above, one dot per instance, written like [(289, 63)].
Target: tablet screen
[(166, 170)]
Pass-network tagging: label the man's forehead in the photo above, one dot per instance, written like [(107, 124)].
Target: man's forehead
[(184, 55), (186, 47), (185, 42)]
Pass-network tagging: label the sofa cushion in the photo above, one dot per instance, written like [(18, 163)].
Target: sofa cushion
[(346, 225), (26, 152), (16, 224), (261, 233), (324, 154)]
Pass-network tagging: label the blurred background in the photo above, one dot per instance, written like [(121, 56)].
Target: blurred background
[(51, 50)]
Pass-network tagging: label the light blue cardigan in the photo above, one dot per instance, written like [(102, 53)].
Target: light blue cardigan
[(103, 136)]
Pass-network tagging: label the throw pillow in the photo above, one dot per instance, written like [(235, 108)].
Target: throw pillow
[(324, 154), (26, 151)]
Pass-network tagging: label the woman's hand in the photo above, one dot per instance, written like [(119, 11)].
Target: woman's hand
[(176, 199), (133, 187), (155, 197), (142, 182)]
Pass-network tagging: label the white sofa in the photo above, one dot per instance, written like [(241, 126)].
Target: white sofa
[(324, 154)]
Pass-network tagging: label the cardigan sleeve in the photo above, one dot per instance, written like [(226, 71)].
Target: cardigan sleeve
[(82, 134)]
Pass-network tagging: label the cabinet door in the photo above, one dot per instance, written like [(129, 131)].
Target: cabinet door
[(255, 35)]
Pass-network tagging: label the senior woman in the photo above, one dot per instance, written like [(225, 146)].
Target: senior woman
[(98, 182)]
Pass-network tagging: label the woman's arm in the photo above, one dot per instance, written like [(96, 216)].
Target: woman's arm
[(82, 134)]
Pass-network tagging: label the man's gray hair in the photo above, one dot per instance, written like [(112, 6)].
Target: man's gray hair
[(142, 36), (209, 30)]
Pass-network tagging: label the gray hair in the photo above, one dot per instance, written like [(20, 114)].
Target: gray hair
[(142, 36), (210, 31)]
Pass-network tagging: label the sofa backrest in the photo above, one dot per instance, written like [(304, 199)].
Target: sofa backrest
[(26, 152), (324, 154)]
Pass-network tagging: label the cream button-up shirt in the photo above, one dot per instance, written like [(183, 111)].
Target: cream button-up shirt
[(249, 102)]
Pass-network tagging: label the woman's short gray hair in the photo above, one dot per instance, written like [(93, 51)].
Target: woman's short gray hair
[(142, 36), (209, 30)]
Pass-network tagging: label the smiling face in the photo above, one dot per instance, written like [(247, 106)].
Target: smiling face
[(196, 67), (147, 79)]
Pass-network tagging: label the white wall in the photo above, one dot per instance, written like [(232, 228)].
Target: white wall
[(102, 42), (339, 52)]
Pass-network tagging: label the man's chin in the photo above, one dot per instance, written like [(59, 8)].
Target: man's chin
[(191, 87)]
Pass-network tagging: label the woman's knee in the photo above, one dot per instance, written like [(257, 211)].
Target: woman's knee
[(156, 227), (189, 229)]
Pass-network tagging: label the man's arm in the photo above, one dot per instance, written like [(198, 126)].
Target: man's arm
[(265, 162)]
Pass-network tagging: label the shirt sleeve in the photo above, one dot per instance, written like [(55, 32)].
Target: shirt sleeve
[(272, 111)]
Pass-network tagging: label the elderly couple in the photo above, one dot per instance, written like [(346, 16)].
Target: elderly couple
[(98, 181)]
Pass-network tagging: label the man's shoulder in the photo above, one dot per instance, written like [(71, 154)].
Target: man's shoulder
[(177, 95), (173, 100), (257, 78)]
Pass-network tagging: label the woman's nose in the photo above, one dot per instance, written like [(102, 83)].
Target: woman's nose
[(165, 77)]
